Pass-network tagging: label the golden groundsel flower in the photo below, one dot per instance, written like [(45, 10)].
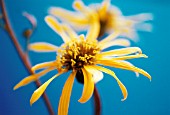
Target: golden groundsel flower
[(109, 18), (82, 55)]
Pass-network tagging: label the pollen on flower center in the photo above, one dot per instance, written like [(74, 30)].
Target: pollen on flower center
[(78, 52)]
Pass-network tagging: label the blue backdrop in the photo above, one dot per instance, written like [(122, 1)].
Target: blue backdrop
[(145, 97)]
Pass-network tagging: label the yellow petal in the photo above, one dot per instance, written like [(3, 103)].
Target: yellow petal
[(131, 57), (79, 5), (66, 94), (117, 42), (136, 73), (103, 9), (70, 31), (33, 77), (110, 37), (88, 86), (37, 93), (54, 24), (43, 47), (124, 65), (97, 75), (43, 65), (93, 30), (121, 52), (122, 87)]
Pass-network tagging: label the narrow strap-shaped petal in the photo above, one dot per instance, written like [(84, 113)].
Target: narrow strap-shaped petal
[(93, 30), (130, 57), (103, 9), (112, 36), (43, 47), (122, 87), (33, 77), (66, 94), (88, 86), (43, 65), (37, 93), (79, 6), (117, 42), (141, 17), (70, 31), (124, 57), (97, 75), (123, 65), (54, 24), (67, 16), (121, 52), (136, 73)]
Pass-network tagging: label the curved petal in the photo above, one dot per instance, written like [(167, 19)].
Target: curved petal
[(93, 30), (136, 73), (33, 77), (122, 87), (131, 57), (121, 52), (43, 47), (112, 36), (97, 75), (43, 65), (124, 65), (65, 96), (88, 86), (54, 24), (37, 93), (117, 42), (68, 16), (70, 31), (103, 8)]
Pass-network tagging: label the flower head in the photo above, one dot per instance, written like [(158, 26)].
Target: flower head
[(108, 17), (84, 57)]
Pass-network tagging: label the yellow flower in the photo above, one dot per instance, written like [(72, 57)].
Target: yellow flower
[(108, 17), (84, 57)]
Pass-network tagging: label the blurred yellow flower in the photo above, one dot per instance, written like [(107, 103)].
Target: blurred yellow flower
[(109, 18), (84, 57)]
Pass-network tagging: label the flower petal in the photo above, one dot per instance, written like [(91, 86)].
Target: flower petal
[(43, 47), (70, 31), (117, 42), (110, 37), (54, 24), (93, 30), (33, 77), (124, 65), (131, 57), (65, 96), (121, 52), (37, 93), (136, 73), (68, 16), (97, 75), (43, 65), (88, 86), (122, 87), (103, 9)]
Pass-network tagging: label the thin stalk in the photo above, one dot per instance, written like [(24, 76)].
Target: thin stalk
[(21, 53), (97, 102)]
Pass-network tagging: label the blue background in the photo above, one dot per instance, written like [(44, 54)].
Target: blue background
[(145, 97)]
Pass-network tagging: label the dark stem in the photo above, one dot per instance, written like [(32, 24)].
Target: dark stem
[(97, 102), (21, 54)]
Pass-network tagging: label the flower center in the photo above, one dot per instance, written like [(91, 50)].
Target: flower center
[(78, 52)]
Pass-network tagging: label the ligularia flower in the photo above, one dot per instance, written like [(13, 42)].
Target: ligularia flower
[(110, 18), (85, 58)]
